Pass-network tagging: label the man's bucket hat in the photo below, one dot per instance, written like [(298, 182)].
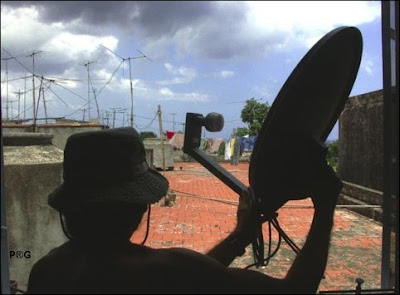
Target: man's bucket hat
[(107, 165)]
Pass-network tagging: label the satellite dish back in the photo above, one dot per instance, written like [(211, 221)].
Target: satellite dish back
[(306, 108)]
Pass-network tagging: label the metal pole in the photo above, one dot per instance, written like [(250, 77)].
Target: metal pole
[(161, 138), (7, 97), (38, 102), (97, 105), (19, 103), (390, 137), (130, 78), (33, 91), (87, 64), (387, 190), (7, 88), (25, 98), (88, 90), (44, 104), (395, 62)]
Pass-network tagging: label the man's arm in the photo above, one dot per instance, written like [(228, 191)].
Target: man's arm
[(308, 267), (244, 233)]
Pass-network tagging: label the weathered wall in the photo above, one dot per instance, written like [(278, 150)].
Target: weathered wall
[(60, 132), (155, 145), (361, 140), (31, 172), (363, 197), (32, 224)]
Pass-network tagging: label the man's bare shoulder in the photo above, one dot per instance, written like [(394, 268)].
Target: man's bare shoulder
[(207, 267), (170, 267)]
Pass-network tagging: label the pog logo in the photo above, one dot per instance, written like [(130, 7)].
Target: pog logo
[(20, 254)]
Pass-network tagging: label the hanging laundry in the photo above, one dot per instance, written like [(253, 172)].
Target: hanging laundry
[(227, 150)]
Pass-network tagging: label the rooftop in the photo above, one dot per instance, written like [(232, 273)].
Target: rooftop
[(30, 148), (205, 212)]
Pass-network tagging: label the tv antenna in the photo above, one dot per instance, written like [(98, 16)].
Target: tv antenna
[(87, 64), (130, 73), (18, 94), (7, 99), (33, 86)]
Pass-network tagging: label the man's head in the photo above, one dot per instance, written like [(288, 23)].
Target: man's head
[(106, 169)]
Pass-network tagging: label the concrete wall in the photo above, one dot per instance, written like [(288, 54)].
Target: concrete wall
[(32, 224), (361, 140), (155, 145), (61, 132), (32, 169), (363, 198)]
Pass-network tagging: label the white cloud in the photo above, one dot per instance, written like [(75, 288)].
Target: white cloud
[(19, 25), (22, 31), (367, 65), (184, 75), (166, 94), (255, 29), (212, 31), (304, 22), (289, 16), (75, 46), (225, 74)]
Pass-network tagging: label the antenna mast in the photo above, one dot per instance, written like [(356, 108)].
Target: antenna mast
[(88, 77), (33, 87), (130, 74), (7, 101), (19, 102)]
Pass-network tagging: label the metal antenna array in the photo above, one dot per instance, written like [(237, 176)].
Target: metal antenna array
[(130, 73), (6, 66), (49, 81), (115, 111), (33, 84), (87, 64), (18, 94), (53, 80)]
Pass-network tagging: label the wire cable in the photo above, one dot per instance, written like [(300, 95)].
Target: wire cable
[(70, 91), (16, 79), (148, 225), (184, 194), (58, 97), (269, 255), (19, 62), (290, 242), (152, 120), (112, 76)]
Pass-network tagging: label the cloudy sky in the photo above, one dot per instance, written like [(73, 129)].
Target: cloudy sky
[(204, 56)]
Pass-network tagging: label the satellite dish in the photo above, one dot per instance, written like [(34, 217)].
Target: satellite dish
[(302, 116)]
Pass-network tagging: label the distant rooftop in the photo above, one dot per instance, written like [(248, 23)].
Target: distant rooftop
[(30, 148)]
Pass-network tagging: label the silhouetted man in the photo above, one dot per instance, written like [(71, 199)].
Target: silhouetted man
[(107, 189)]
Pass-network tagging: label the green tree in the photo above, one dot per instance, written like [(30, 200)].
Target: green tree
[(254, 114), (332, 153), (221, 149), (242, 131), (147, 134)]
